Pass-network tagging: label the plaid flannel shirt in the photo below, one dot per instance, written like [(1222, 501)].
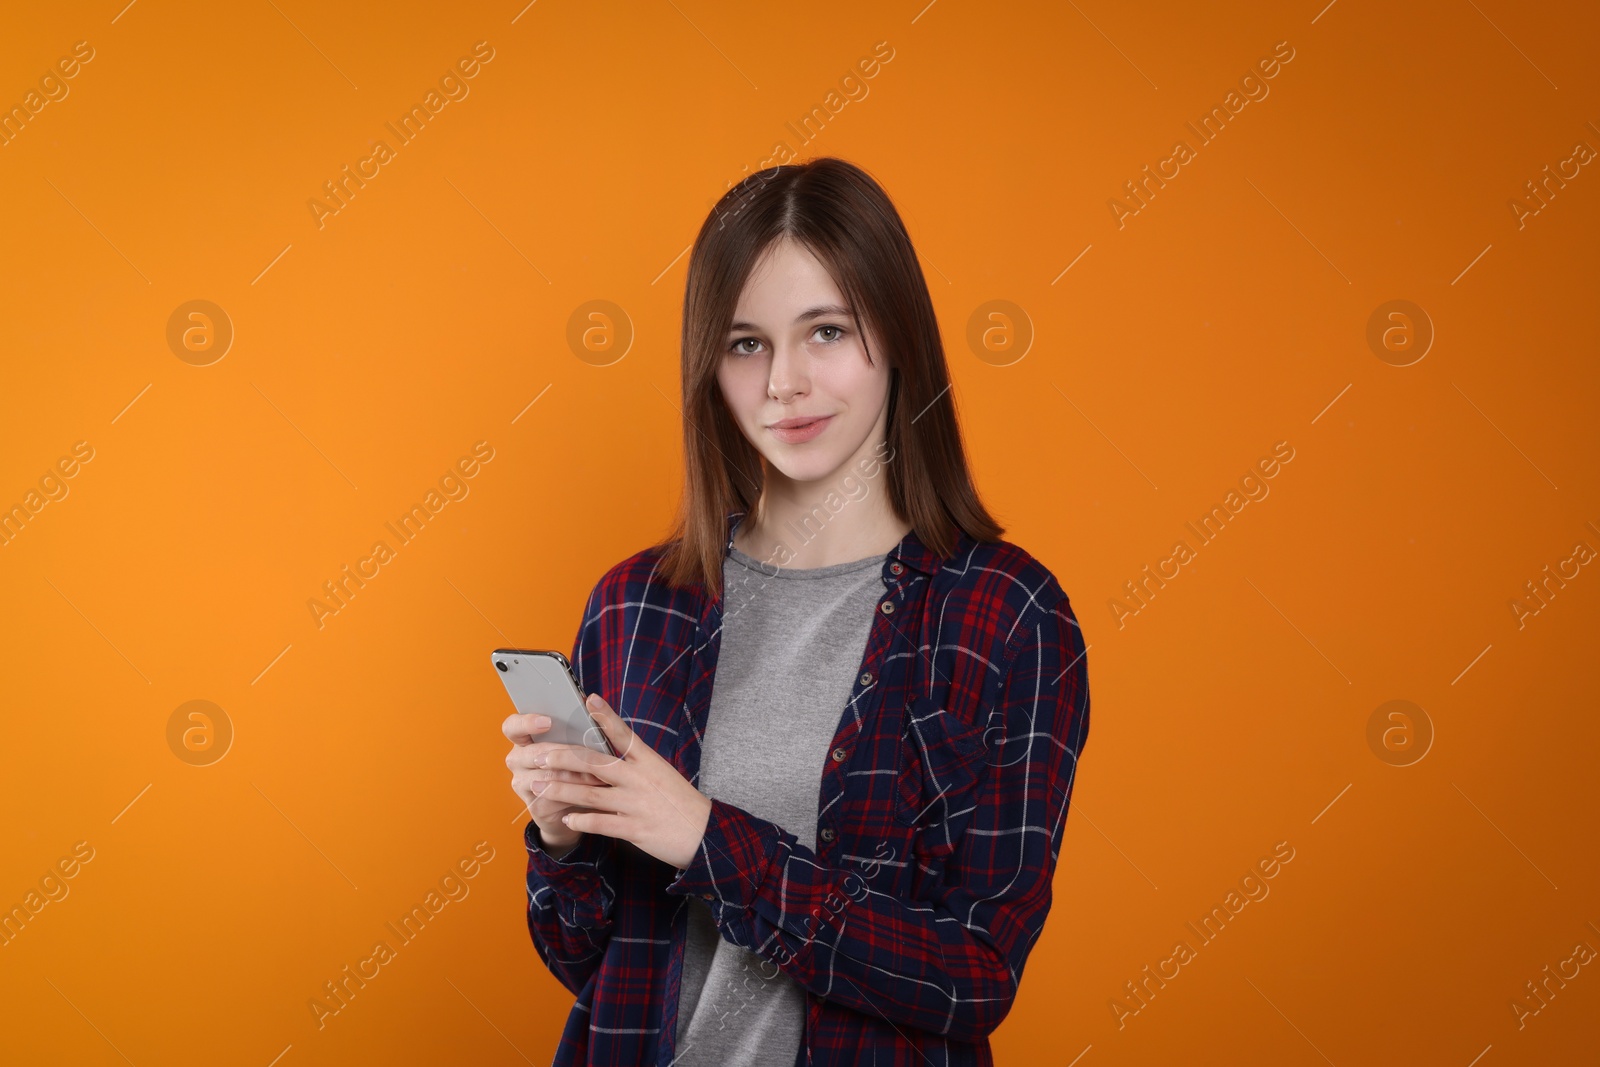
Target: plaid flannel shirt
[(942, 805)]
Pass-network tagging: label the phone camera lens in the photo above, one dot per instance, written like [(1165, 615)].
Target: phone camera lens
[(501, 664)]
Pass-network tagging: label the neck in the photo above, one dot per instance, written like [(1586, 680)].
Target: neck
[(818, 524)]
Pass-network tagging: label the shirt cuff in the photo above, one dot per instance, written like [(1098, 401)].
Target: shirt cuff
[(733, 858), (577, 872)]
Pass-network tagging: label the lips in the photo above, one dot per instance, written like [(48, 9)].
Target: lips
[(799, 428)]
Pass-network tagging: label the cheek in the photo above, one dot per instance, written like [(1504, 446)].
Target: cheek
[(863, 387), (744, 387)]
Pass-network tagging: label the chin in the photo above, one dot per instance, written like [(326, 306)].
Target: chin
[(806, 469)]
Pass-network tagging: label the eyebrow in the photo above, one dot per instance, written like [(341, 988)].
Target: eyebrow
[(818, 312)]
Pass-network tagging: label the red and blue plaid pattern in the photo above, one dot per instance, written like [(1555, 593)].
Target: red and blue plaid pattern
[(909, 919)]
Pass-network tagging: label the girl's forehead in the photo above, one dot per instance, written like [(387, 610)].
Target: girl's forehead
[(782, 287)]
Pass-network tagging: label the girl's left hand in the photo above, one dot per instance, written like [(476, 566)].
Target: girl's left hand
[(645, 800)]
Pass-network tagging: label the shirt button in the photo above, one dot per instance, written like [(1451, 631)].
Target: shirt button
[(827, 833), (895, 568), (887, 607), (839, 755), (866, 677)]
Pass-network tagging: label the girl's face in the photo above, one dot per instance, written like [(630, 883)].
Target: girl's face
[(794, 356)]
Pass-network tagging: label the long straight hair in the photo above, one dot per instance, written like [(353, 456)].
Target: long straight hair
[(842, 216)]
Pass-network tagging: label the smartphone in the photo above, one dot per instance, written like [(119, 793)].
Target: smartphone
[(540, 682)]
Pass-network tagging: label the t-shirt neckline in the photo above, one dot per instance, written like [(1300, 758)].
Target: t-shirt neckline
[(774, 570)]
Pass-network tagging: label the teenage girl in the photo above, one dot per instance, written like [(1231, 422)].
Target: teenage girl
[(849, 713)]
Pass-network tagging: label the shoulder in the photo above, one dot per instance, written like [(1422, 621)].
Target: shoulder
[(1001, 586), (633, 640), (639, 568), (637, 581)]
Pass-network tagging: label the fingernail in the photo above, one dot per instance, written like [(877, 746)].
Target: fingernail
[(541, 721), (538, 761)]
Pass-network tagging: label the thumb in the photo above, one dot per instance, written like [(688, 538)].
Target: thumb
[(617, 732)]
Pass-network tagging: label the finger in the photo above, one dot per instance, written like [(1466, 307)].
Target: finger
[(520, 729), (594, 822), (620, 734), (608, 769), (581, 796), (544, 774), (522, 787), (531, 789), (532, 755)]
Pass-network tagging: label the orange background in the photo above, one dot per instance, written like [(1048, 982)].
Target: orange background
[(1230, 714)]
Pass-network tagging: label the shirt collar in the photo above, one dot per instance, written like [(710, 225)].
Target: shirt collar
[(910, 552)]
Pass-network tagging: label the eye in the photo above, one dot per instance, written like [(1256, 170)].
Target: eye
[(736, 350), (838, 334)]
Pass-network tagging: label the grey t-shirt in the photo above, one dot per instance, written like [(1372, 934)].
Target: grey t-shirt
[(792, 640)]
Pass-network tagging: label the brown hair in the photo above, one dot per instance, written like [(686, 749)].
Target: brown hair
[(844, 218)]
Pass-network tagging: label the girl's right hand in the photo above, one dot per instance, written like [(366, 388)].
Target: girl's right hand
[(529, 777)]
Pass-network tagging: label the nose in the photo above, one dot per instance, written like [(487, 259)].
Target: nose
[(788, 376)]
